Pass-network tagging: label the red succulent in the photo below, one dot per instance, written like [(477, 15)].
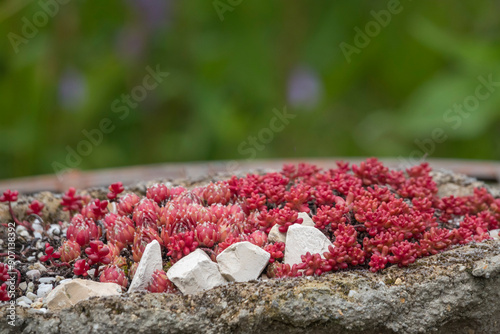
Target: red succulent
[(160, 283), (114, 190), (113, 274)]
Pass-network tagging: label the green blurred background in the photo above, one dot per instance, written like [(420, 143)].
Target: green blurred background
[(230, 63)]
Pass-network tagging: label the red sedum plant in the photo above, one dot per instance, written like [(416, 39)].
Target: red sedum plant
[(374, 216)]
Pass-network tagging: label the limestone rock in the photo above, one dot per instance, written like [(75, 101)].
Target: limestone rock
[(302, 239), (68, 294), (494, 234), (242, 261), (151, 261), (275, 235), (307, 221), (195, 272)]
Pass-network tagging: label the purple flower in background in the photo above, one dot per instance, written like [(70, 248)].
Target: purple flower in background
[(154, 13), (72, 90), (304, 88), (130, 43)]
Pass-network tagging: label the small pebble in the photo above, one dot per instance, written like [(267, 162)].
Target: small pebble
[(30, 287), (37, 304), (43, 290), (24, 299), (31, 259), (37, 235), (20, 229), (59, 278), (40, 245), (352, 293), (33, 274), (398, 281), (23, 286), (40, 310), (31, 296), (47, 280), (23, 304), (37, 226), (54, 229), (38, 266), (65, 280)]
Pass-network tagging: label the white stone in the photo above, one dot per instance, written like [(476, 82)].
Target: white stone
[(24, 299), (20, 229), (31, 258), (494, 234), (43, 290), (37, 226), (302, 239), (40, 245), (23, 286), (33, 274), (23, 304), (38, 266), (47, 280), (65, 280), (307, 221), (242, 261), (150, 262), (54, 229), (31, 296), (37, 235), (352, 293), (275, 235), (195, 272), (68, 294)]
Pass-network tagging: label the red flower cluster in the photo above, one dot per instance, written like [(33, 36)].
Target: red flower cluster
[(374, 217)]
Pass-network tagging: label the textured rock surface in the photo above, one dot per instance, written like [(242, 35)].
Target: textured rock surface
[(74, 291), (150, 262), (195, 272), (439, 293), (302, 239), (242, 262)]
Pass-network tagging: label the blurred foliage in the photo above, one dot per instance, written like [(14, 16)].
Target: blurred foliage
[(226, 77)]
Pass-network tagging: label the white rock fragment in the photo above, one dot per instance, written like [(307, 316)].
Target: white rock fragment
[(494, 234), (307, 221), (242, 261), (352, 293), (22, 231), (195, 272), (23, 286), (47, 280), (151, 261), (275, 235), (23, 304), (33, 274), (54, 230), (38, 266), (43, 290), (23, 299), (31, 296), (70, 293), (302, 239)]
